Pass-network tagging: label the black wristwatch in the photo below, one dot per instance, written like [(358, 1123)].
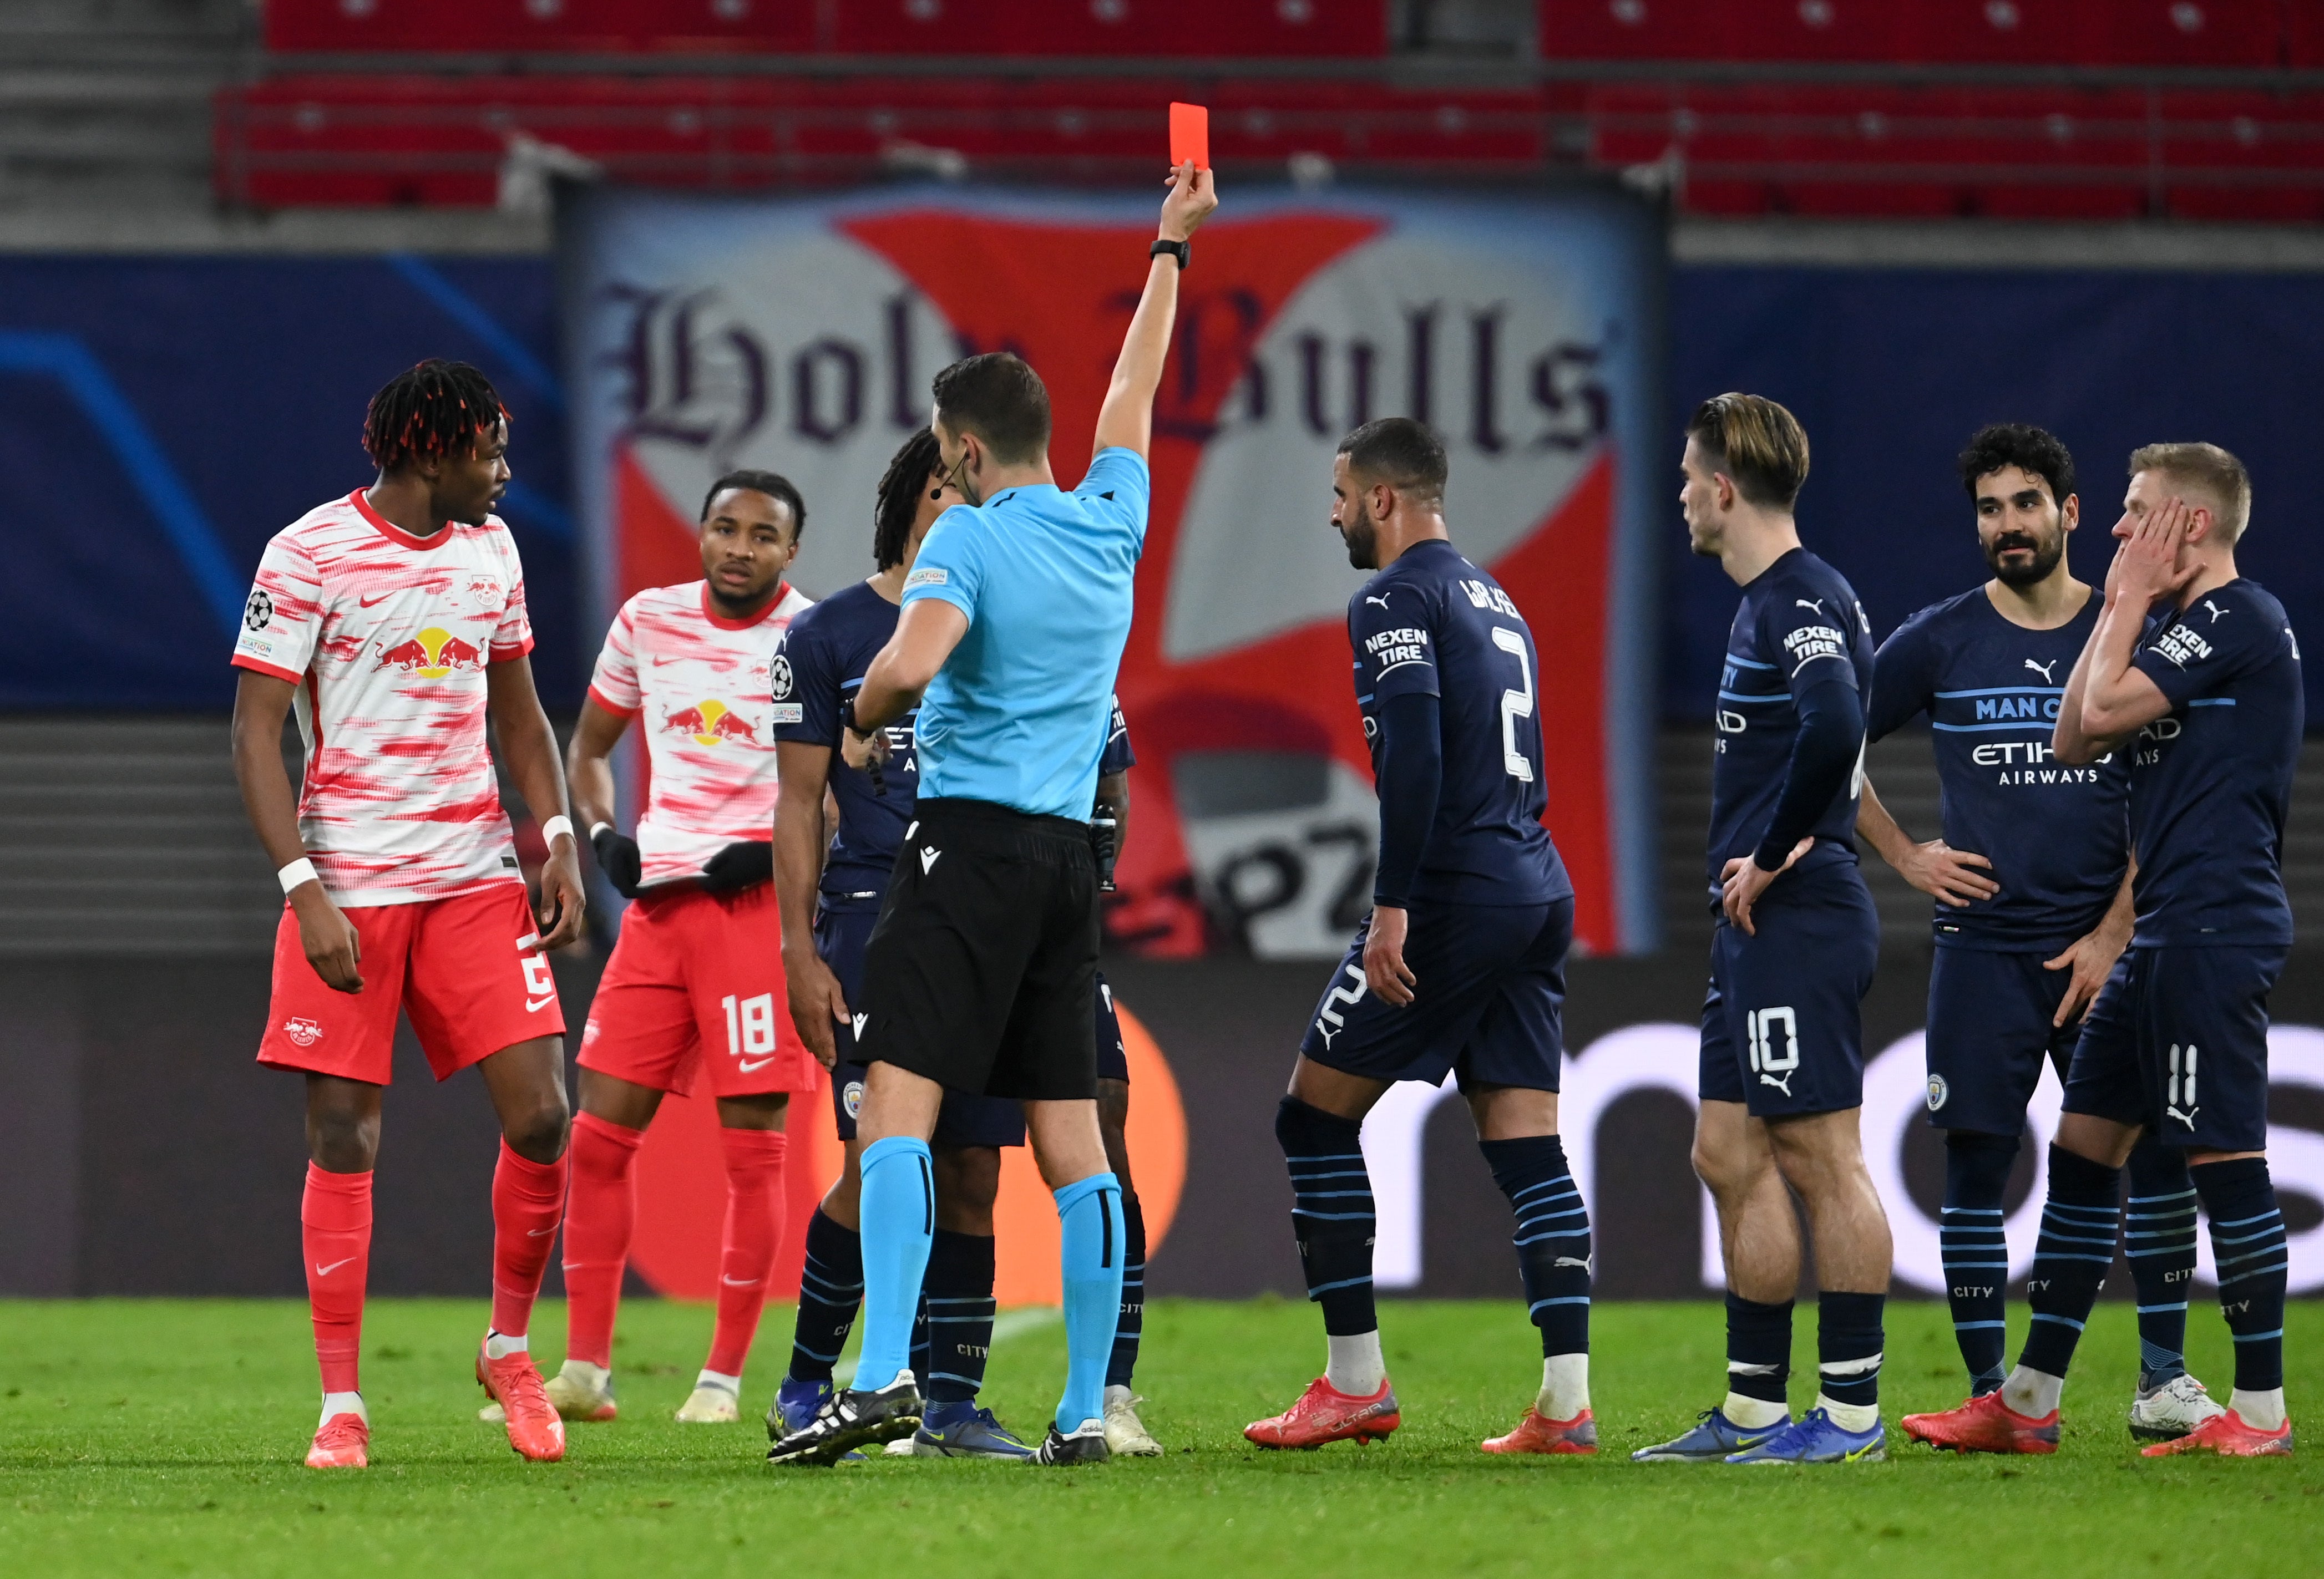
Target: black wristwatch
[(847, 718), (1182, 251)]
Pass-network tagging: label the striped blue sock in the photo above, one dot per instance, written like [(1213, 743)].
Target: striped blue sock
[(1975, 1255), (2158, 1235), (2248, 1244), (1331, 1213), (1553, 1237), (2079, 1224)]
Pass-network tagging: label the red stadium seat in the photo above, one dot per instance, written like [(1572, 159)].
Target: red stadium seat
[(603, 26), (1223, 28), (2255, 33)]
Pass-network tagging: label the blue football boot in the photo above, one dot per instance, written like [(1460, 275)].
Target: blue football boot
[(1813, 1438), (795, 1404), (1712, 1439), (963, 1430)]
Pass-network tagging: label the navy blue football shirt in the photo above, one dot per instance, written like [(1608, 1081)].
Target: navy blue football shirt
[(1434, 624), (2211, 780), (1799, 624), (819, 665), (2056, 835)]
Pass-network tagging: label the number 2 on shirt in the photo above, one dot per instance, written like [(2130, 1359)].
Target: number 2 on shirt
[(1515, 704)]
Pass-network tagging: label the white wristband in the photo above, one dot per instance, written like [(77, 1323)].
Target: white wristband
[(595, 829), (301, 870), (555, 826)]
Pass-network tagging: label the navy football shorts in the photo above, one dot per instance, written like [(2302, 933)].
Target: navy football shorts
[(1990, 1032), (1488, 1002), (1782, 1025), (964, 1120), (2178, 1042)]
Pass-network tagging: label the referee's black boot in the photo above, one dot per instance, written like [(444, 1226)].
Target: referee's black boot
[(1085, 1445), (850, 1419)]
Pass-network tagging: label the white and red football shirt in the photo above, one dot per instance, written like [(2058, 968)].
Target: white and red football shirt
[(386, 636), (700, 685)]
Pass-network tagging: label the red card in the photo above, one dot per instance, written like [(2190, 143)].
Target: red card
[(1190, 135)]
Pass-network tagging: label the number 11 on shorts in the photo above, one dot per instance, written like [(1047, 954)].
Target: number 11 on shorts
[(749, 1024)]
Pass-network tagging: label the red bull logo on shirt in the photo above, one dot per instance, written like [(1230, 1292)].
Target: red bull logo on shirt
[(432, 654), (711, 722)]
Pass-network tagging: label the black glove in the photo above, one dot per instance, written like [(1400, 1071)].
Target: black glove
[(738, 866), (617, 858)]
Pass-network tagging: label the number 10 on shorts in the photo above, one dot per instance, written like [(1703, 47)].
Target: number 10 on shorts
[(1773, 1064), (749, 1024)]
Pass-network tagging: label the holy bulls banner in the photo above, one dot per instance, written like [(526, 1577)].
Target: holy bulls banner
[(801, 335)]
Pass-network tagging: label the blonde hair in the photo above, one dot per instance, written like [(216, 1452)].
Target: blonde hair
[(1757, 443), (2211, 470)]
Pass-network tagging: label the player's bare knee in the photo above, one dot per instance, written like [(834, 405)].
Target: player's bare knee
[(343, 1141), (968, 1182), (539, 1132)]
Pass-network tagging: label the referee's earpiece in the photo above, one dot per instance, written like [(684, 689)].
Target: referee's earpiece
[(935, 494)]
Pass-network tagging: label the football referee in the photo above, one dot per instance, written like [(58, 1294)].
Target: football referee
[(980, 973)]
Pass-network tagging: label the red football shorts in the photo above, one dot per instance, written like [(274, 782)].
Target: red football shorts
[(453, 965), (696, 983)]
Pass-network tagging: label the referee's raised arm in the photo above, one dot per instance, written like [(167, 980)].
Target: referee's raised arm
[(1126, 420)]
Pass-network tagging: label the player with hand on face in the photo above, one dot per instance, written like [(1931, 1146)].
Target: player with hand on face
[(2032, 883), (394, 621), (2193, 672), (1791, 958), (692, 994), (1460, 965)]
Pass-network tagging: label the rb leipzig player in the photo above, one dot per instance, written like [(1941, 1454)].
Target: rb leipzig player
[(693, 993), (394, 621)]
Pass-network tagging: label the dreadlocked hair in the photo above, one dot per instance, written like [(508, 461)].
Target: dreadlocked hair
[(438, 408), (900, 494)]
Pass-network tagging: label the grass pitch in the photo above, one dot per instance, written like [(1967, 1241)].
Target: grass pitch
[(165, 1436)]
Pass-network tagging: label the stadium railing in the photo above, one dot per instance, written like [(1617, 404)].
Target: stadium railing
[(1727, 139)]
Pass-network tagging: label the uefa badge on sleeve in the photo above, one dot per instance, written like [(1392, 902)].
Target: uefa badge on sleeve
[(257, 613), (1938, 1092), (778, 677)]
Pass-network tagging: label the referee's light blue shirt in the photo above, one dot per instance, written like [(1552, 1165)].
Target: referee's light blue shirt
[(1019, 714)]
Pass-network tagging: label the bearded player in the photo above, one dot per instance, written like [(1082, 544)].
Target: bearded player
[(2193, 671), (394, 621), (2033, 907), (692, 996), (1461, 967)]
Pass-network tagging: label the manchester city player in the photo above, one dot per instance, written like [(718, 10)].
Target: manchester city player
[(980, 973), (2195, 673), (1460, 965), (831, 883), (1793, 953), (2032, 897)]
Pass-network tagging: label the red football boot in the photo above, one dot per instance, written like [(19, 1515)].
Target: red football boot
[(1985, 1425), (1537, 1433), (534, 1428), (341, 1442), (2227, 1436), (1326, 1414)]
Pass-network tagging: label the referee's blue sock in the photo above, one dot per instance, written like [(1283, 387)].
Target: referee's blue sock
[(1090, 1249), (899, 1220), (2158, 1235)]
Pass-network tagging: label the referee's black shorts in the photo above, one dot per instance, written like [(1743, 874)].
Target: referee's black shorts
[(982, 972)]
